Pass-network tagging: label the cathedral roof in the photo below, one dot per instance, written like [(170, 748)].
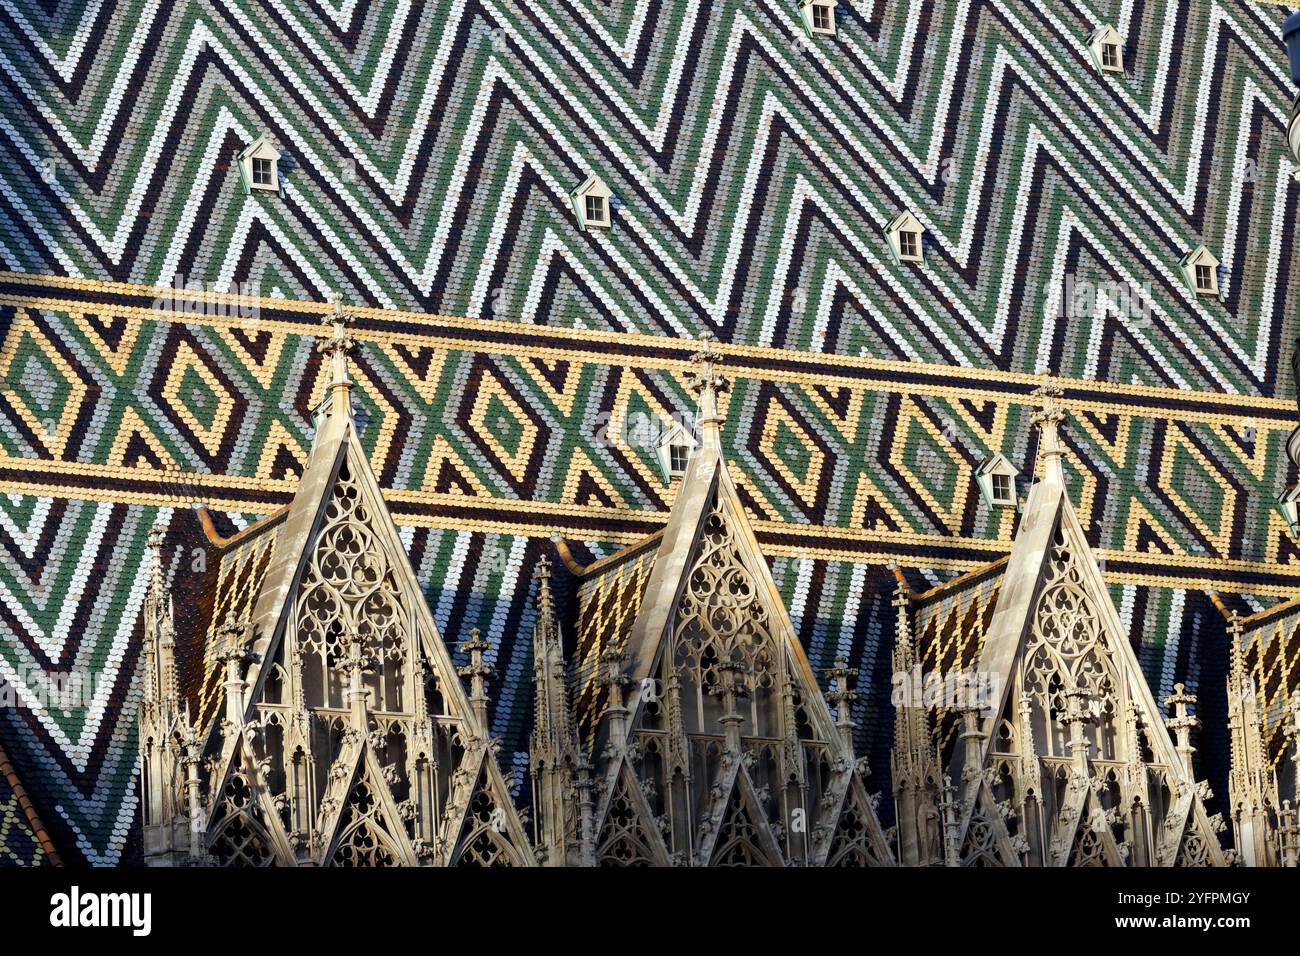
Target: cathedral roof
[(950, 620), (24, 840), (949, 623), (609, 595), (226, 593), (1270, 646)]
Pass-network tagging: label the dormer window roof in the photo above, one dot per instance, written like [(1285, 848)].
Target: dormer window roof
[(1288, 503), (1107, 49), (318, 416), (996, 478), (1201, 270), (818, 16), (591, 203), (676, 445), (904, 233), (259, 167)]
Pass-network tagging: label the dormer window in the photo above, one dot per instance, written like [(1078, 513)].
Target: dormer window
[(263, 173), (819, 16), (1288, 503), (1201, 270), (1107, 49), (259, 167), (678, 456), (318, 416), (909, 245), (904, 233), (676, 445), (591, 203), (996, 478)]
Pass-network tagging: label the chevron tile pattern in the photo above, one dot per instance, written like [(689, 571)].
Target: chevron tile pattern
[(1270, 649), (429, 151)]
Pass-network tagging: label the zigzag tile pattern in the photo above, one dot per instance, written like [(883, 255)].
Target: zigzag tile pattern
[(430, 151), (23, 840), (1270, 649)]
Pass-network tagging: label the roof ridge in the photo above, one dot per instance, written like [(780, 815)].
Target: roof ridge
[(962, 579), (603, 564), (1259, 617), (257, 527), (29, 809)]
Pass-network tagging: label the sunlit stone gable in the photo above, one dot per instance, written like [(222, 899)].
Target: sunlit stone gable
[(346, 737), (1070, 761)]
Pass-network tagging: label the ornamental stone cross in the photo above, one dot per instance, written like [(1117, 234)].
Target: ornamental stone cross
[(704, 375)]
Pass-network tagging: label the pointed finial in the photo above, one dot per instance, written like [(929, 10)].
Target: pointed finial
[(1048, 419), (1236, 659), (1049, 394), (1079, 705), (706, 381), (479, 672), (157, 536), (475, 647), (840, 675), (233, 638), (841, 696), (614, 659), (545, 606), (902, 593), (1182, 723), (336, 343), (704, 375), (334, 326), (1181, 700), (159, 600), (542, 572), (1291, 719)]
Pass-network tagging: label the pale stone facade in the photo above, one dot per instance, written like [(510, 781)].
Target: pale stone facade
[(329, 726)]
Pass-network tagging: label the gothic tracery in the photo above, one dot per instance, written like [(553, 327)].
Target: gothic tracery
[(346, 738), (1069, 763), (689, 731)]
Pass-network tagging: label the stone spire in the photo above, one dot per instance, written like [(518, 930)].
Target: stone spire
[(190, 746), (336, 343), (733, 687), (841, 696), (1048, 420), (160, 629), (616, 682), (1252, 788), (1288, 836), (553, 726), (161, 721), (1288, 820), (357, 660), (479, 673), (1182, 724), (554, 759), (707, 382), (918, 796), (232, 653)]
